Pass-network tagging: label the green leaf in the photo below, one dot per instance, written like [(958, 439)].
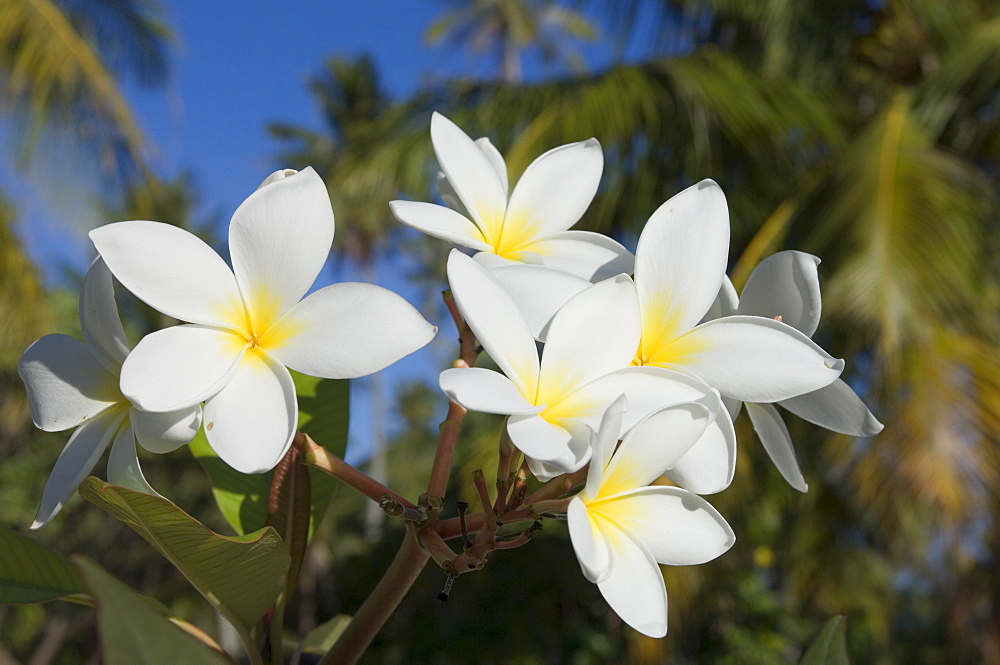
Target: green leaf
[(324, 405), (321, 638), (33, 573), (240, 576), (137, 630), (830, 645)]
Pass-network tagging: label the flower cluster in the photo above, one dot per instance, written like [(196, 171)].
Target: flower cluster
[(247, 325), (658, 354)]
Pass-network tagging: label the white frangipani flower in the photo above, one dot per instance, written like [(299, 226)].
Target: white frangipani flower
[(786, 286), (622, 528), (248, 323), (584, 367), (75, 384), (532, 225)]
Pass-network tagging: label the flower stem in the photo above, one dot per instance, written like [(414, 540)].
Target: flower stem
[(315, 455), (383, 601)]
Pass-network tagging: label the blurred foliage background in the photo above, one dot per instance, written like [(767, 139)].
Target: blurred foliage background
[(866, 132)]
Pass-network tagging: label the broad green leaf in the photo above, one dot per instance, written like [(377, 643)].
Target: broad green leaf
[(240, 576), (136, 629), (323, 411), (830, 645), (321, 638), (33, 573)]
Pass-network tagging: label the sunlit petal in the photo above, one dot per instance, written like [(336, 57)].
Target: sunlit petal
[(538, 438), (471, 174), (539, 292), (77, 460), (785, 284), (589, 542), (251, 422), (496, 320), (347, 330), (123, 463), (173, 271), (484, 390), (709, 466), (680, 262), (592, 256), (604, 446), (65, 383), (167, 431), (725, 303), (678, 527), (634, 587), (440, 222), (594, 333), (553, 192), (496, 159), (99, 320), (279, 239), (753, 359), (777, 442), (178, 367), (654, 445), (837, 408)]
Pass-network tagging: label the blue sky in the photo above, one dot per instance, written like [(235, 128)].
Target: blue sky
[(235, 66)]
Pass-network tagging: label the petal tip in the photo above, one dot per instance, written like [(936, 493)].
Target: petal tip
[(36, 525)]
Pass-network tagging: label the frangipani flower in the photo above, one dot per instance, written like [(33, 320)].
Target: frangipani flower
[(75, 384), (532, 225), (680, 264), (584, 368), (248, 323), (621, 528), (786, 286)]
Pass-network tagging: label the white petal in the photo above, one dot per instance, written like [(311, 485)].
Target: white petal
[(785, 284), (251, 422), (178, 367), (725, 303), (679, 528), (753, 359), (279, 239), (589, 542), (553, 192), (280, 174), (495, 158), (440, 222), (471, 174), (448, 195), (546, 471), (538, 438), (538, 291), (733, 406), (594, 333), (604, 443), (65, 383), (647, 389), (484, 390), (173, 271), (99, 320), (680, 262), (654, 445), (592, 256), (123, 463), (498, 323), (347, 330), (634, 588), (709, 466), (77, 460), (167, 431), (777, 442), (835, 407)]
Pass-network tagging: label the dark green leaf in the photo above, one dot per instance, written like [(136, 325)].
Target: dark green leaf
[(321, 638), (830, 645), (33, 573), (323, 411), (137, 630), (240, 576)]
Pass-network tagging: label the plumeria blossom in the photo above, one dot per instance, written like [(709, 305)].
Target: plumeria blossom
[(785, 286), (622, 528), (75, 384), (249, 323), (555, 402), (531, 226)]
